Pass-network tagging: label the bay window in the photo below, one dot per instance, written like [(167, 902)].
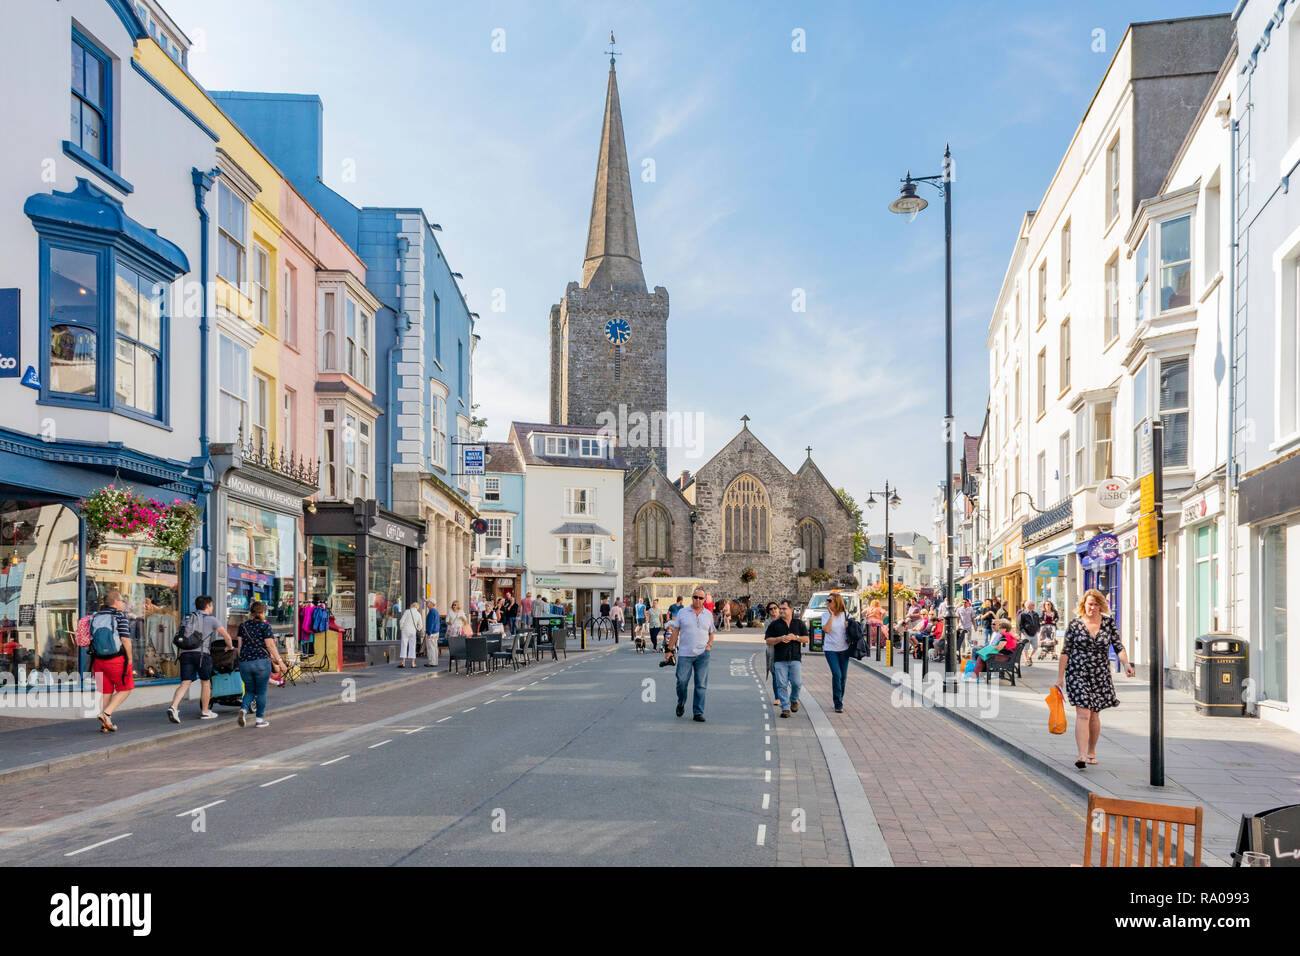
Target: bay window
[(1063, 450), (232, 217), (1139, 414), (1175, 263), (346, 330), (232, 404), (496, 540), (1102, 464), (572, 550), (1143, 278), (329, 454), (347, 454)]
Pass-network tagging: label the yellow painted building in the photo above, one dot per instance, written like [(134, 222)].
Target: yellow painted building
[(244, 204)]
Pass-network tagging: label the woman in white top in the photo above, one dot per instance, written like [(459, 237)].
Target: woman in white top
[(409, 626), (457, 621), (835, 646)]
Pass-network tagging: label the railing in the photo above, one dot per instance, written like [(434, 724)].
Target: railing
[(1055, 518), (291, 466)]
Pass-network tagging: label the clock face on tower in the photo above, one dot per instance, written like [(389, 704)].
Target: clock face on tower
[(617, 331)]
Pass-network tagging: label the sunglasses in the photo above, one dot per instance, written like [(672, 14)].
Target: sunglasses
[(697, 597)]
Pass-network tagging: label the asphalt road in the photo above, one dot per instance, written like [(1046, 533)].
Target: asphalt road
[(575, 766)]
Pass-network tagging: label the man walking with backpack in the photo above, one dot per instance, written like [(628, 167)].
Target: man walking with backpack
[(194, 644), (110, 649)]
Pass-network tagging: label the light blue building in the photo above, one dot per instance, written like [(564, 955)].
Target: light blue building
[(499, 551), (424, 333), (1265, 415)]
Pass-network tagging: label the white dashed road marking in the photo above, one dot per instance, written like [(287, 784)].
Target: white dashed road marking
[(272, 783), (380, 744), (190, 813), (762, 833), (336, 760), (99, 844), (767, 800)]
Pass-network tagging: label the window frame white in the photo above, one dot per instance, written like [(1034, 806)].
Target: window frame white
[(438, 393), (1067, 253), (575, 494), (260, 411), (1112, 181), (1111, 288), (240, 242), (1162, 265), (491, 487), (260, 287), (225, 390)]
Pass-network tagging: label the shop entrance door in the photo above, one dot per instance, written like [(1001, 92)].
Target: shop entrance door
[(583, 609)]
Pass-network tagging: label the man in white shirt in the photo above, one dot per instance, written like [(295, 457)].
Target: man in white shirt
[(692, 640)]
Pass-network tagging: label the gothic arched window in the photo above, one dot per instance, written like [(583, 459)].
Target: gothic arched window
[(746, 516), (811, 539), (653, 535)]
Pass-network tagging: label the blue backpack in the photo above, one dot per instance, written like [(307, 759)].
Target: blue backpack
[(105, 642)]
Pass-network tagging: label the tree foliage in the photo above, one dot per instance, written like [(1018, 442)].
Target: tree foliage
[(859, 529)]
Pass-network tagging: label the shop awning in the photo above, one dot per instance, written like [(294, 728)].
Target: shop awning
[(996, 573)]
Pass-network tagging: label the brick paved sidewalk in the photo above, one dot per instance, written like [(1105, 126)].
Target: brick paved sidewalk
[(1229, 766), (942, 795)]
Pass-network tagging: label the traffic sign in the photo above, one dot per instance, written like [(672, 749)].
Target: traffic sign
[(1147, 485), (1111, 493), (1145, 458), (1148, 536)]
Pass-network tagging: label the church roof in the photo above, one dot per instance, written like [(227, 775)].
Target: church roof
[(613, 258)]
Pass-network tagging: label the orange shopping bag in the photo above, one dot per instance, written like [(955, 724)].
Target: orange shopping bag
[(1055, 711)]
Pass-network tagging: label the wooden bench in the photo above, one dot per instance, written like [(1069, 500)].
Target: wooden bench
[(1010, 668), (1131, 818)]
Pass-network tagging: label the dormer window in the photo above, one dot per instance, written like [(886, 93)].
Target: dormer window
[(555, 446)]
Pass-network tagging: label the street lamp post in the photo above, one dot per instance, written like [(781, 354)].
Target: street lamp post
[(909, 203), (891, 501)]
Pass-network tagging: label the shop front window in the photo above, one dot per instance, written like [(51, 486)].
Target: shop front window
[(39, 558), (147, 577), (384, 591), (261, 558), (1273, 611), (332, 578)]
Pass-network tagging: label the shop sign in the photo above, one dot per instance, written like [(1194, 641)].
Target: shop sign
[(1202, 506), (964, 561), (1047, 568), (260, 493), (1111, 493), (471, 460), (1012, 552), (1102, 549), (1129, 541), (392, 531), (9, 333)]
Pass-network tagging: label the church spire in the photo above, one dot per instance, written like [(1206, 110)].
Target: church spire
[(613, 253)]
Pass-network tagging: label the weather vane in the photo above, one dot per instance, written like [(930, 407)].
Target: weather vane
[(611, 51)]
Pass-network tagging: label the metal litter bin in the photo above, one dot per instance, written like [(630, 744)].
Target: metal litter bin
[(1220, 673)]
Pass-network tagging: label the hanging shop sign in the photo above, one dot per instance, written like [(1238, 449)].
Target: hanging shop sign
[(1111, 493)]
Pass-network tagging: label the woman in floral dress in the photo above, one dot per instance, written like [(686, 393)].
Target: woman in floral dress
[(1083, 673)]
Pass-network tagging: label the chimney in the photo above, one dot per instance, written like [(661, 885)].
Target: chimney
[(686, 476)]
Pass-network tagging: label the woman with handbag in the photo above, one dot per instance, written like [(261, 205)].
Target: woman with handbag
[(259, 657), (457, 622), (1083, 673), (410, 627)]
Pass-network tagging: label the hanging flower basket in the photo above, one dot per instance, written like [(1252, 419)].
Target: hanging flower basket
[(820, 576), (662, 573), (748, 576), (113, 510)]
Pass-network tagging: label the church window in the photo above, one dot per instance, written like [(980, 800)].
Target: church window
[(811, 540), (652, 535), (746, 516)]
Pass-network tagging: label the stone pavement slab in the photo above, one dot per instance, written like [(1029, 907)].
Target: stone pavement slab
[(1230, 766), (942, 795)]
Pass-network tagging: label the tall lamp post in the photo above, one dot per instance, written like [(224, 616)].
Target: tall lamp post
[(892, 501), (909, 203)]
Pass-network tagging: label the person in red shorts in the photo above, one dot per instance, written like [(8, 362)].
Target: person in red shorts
[(113, 673)]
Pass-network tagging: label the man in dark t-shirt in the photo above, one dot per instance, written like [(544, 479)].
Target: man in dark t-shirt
[(786, 636)]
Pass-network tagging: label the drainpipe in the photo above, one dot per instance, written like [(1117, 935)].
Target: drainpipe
[(202, 183), (1230, 478)]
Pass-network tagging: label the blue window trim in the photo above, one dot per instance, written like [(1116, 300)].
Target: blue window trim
[(93, 49), (78, 154), (107, 256)]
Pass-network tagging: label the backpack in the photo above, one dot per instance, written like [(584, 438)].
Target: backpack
[(189, 637), (856, 637), (83, 631), (105, 642)]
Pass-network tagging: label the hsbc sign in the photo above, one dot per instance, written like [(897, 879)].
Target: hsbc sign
[(1111, 493)]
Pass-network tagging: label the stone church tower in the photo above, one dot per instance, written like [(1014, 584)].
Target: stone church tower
[(609, 336)]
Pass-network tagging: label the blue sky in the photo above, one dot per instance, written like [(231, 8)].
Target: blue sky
[(773, 170)]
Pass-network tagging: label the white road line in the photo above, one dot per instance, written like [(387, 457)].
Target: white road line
[(504, 696), (272, 783), (767, 755), (380, 744), (99, 844), (767, 739), (468, 709), (415, 731), (441, 719), (190, 813), (492, 701), (336, 760), (762, 833), (767, 726), (767, 776), (767, 800)]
